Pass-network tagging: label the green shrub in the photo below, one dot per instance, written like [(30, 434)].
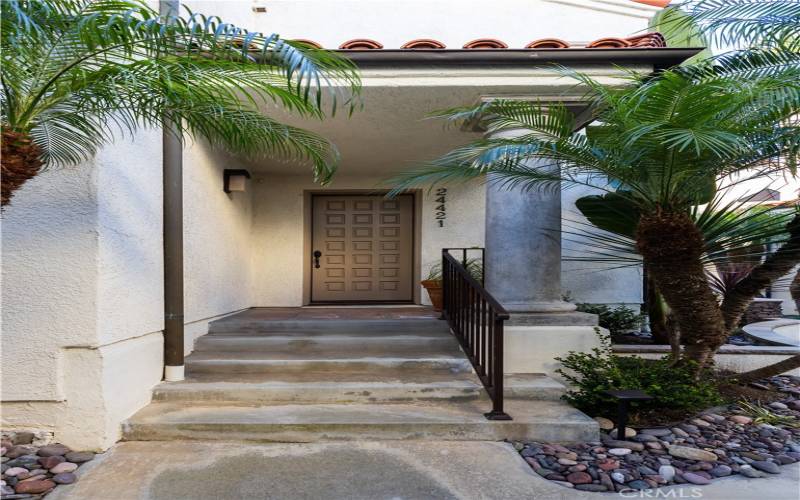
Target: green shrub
[(672, 387), (616, 321)]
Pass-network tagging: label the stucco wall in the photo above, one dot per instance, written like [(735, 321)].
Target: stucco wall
[(83, 284), (592, 282)]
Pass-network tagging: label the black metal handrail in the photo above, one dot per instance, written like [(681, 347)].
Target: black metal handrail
[(476, 319)]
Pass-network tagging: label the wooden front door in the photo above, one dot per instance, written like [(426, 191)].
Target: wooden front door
[(362, 248)]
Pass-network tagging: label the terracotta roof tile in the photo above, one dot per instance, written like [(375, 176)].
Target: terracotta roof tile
[(646, 40), (609, 43), (547, 43), (486, 43), (423, 43), (361, 44)]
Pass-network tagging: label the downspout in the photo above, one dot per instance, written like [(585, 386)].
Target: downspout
[(172, 167)]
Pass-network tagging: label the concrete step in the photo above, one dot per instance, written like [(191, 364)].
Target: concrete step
[(548, 421), (530, 386), (230, 363), (329, 346), (427, 327)]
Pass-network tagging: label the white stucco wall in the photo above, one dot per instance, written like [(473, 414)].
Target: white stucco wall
[(592, 282), (83, 285)]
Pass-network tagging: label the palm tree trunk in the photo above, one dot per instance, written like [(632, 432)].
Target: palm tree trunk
[(770, 371), (657, 315), (671, 245), (21, 160), (774, 267), (794, 289)]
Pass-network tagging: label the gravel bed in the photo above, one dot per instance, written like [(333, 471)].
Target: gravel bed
[(696, 451), (31, 471)]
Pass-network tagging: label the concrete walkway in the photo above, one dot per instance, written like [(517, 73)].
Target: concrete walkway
[(181, 470)]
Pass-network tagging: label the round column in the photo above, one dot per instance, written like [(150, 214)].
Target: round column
[(523, 246)]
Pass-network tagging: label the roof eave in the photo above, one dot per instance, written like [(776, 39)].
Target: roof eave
[(659, 58)]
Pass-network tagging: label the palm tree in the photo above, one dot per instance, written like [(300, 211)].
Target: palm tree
[(736, 239), (662, 145), (77, 72)]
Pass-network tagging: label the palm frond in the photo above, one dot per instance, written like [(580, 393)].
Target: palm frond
[(120, 65)]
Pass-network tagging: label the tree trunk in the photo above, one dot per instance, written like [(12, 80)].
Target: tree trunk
[(657, 315), (21, 160), (774, 267), (770, 371), (672, 245), (794, 289)]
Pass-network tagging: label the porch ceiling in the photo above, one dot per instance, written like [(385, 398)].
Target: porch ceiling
[(390, 133)]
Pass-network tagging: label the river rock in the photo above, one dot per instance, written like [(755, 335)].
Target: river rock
[(53, 450), (19, 450), (695, 478), (64, 467), (619, 452), (740, 419), (65, 478), (691, 453), (629, 433), (608, 464), (750, 472), (35, 487), (605, 424), (656, 432), (766, 466), (721, 470), (79, 457), (15, 471), (631, 445), (667, 472), (579, 478), (639, 485), (50, 462)]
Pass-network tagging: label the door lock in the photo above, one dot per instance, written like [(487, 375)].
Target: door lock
[(317, 255)]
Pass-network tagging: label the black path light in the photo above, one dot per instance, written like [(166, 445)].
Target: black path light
[(624, 399)]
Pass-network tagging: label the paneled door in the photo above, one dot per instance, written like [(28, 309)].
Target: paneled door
[(362, 248)]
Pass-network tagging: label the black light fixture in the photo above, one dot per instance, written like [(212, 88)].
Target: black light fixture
[(624, 399), (234, 180)]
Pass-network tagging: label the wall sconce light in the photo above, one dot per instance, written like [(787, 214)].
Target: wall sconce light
[(234, 180)]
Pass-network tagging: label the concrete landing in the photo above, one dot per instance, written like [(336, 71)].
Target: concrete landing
[(356, 471)]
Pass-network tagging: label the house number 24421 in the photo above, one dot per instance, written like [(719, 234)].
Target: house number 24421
[(440, 211)]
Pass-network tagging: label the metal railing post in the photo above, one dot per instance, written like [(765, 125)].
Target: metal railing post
[(497, 412)]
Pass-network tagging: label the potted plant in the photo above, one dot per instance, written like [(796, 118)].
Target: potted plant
[(433, 283)]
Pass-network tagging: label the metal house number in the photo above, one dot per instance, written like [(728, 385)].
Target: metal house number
[(441, 209)]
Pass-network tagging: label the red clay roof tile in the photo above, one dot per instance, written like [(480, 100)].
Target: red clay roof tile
[(361, 44), (486, 43), (547, 43), (423, 43)]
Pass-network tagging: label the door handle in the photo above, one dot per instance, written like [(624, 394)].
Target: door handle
[(317, 255)]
